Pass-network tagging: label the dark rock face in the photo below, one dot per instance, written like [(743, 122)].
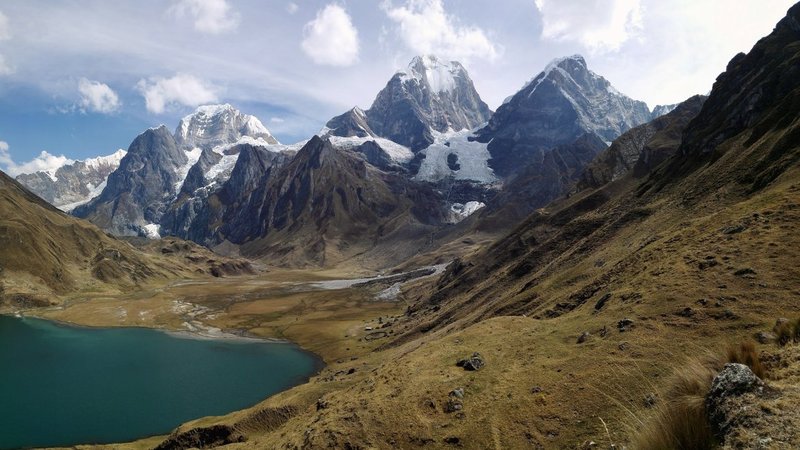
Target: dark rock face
[(562, 103), (72, 183), (377, 156), (197, 218), (324, 201), (430, 95), (154, 190), (208, 437), (351, 123), (550, 174), (138, 192), (195, 179), (757, 93), (641, 149)]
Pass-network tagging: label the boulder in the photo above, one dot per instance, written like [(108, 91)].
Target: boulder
[(625, 325), (474, 362), (733, 381)]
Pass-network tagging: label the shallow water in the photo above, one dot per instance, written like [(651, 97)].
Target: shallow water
[(62, 385)]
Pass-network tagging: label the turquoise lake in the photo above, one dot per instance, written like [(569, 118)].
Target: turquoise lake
[(62, 385)]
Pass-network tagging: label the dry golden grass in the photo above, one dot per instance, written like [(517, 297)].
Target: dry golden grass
[(681, 421)]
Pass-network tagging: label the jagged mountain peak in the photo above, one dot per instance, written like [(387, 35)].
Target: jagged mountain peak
[(439, 75), (568, 70), (563, 102), (429, 95), (212, 125)]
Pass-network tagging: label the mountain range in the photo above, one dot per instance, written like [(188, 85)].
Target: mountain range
[(430, 151)]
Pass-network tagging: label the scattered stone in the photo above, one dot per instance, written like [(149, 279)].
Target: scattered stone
[(702, 302), (452, 440), (322, 404), (625, 325), (453, 405), (351, 371), (375, 335), (583, 337), (650, 400), (622, 346), (588, 445), (602, 302), (709, 262), (474, 362), (457, 393), (733, 229), (745, 273), (536, 389), (603, 331), (765, 337), (686, 312)]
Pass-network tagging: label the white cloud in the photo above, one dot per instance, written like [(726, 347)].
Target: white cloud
[(292, 7), (276, 120), (599, 25), (210, 16), (5, 157), (97, 97), (331, 39), (5, 30), (181, 89), (44, 162), (5, 68), (426, 28)]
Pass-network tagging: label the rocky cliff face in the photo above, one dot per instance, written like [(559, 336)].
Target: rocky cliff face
[(200, 217), (166, 177), (323, 206), (770, 74), (138, 192), (73, 184), (641, 148), (559, 105)]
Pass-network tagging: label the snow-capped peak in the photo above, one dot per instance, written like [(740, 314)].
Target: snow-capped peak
[(440, 75), (565, 66), (212, 125)]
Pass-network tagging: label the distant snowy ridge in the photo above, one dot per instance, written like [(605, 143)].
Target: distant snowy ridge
[(72, 183)]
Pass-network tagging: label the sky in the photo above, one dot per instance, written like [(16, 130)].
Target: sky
[(82, 78)]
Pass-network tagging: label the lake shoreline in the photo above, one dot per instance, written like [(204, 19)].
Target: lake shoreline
[(315, 363)]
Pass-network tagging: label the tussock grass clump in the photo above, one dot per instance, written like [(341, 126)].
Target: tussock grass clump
[(787, 331), (746, 353), (681, 419)]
